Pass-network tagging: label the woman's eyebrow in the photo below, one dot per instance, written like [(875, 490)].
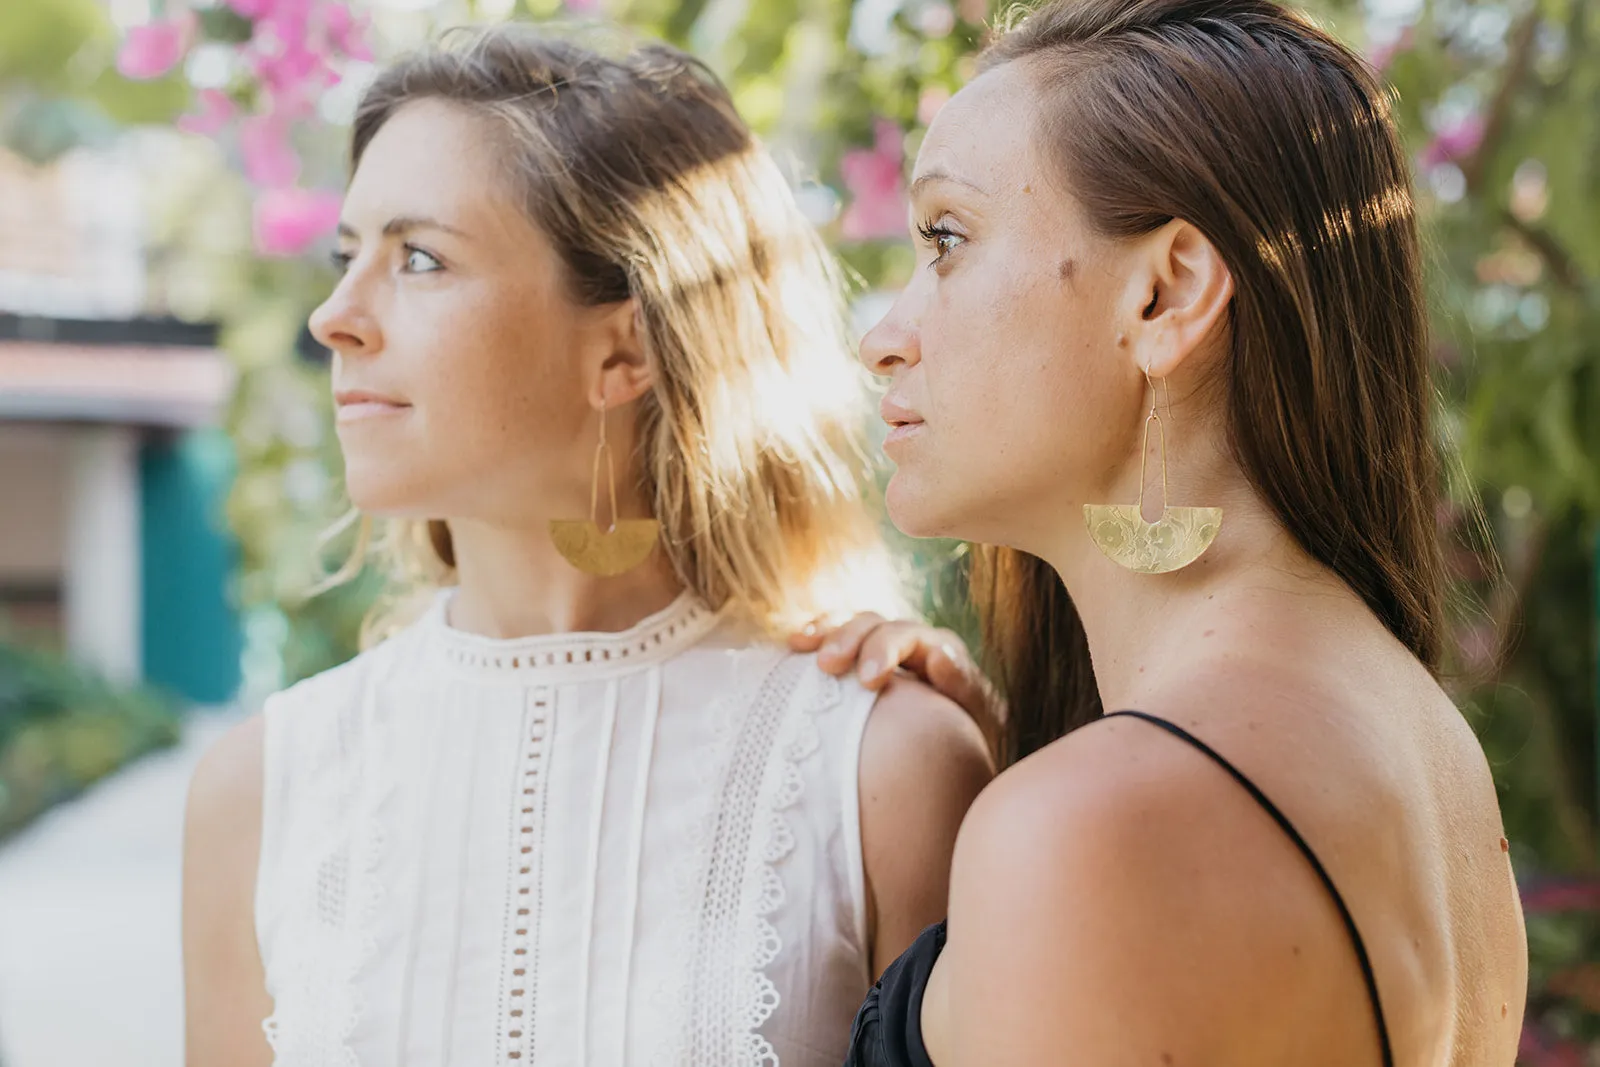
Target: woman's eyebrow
[(401, 225), (934, 177)]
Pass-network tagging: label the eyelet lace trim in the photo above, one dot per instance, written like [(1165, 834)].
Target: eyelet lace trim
[(726, 995), (663, 634), (525, 902)]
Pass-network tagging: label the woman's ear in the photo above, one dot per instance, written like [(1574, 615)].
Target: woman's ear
[(1189, 291), (624, 373)]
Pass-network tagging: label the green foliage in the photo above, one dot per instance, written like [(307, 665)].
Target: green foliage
[(1514, 232), (58, 82), (63, 728)]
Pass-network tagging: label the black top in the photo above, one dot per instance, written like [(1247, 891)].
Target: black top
[(888, 1029)]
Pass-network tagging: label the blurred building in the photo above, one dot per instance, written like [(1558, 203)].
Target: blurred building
[(112, 468)]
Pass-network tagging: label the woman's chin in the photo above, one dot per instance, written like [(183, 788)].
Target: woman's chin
[(912, 510), (382, 498)]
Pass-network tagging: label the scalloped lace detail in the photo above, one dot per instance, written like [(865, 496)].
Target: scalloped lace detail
[(764, 940), (733, 880)]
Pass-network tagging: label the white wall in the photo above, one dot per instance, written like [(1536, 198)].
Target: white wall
[(102, 580)]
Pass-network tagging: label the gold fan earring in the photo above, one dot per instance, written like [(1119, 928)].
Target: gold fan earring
[(1175, 540), (617, 548)]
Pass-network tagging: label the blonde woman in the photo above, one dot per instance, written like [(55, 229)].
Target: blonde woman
[(585, 808)]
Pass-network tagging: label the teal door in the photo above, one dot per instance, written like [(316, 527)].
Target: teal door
[(190, 629)]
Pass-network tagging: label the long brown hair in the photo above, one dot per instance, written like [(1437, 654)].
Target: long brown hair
[(630, 158), (1276, 142)]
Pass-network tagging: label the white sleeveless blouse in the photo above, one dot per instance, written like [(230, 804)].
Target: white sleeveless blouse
[(582, 849)]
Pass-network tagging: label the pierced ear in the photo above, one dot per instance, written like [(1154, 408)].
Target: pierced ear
[(1189, 298), (625, 371)]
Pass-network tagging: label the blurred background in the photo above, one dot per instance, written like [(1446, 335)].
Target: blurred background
[(169, 179)]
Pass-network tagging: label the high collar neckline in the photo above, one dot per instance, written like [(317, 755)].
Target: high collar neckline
[(573, 655)]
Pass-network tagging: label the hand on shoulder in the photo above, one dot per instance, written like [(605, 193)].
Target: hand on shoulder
[(878, 650)]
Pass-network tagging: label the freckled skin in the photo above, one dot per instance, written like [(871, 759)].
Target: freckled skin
[(487, 348), (1022, 344)]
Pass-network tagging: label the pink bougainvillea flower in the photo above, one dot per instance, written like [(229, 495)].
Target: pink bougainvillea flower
[(256, 10), (289, 221), (346, 32), (876, 186), (1454, 142), (151, 50), (215, 109), (584, 7), (269, 159), (294, 74)]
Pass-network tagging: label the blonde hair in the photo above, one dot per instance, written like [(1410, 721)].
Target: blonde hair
[(648, 184)]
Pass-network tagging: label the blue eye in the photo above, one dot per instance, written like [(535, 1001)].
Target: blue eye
[(420, 262)]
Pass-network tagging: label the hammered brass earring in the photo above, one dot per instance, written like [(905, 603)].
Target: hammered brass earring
[(1175, 540), (620, 546)]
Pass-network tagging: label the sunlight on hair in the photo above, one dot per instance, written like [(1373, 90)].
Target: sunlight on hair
[(751, 441)]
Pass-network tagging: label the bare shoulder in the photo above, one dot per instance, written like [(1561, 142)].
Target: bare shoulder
[(923, 760), (223, 816), (1087, 801), (224, 984), (1118, 876), (915, 730), (228, 776)]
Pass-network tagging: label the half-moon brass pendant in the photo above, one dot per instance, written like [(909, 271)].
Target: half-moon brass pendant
[(1175, 540), (604, 552)]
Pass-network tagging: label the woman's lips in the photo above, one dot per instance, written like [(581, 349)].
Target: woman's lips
[(358, 406), (367, 409), (904, 423), (901, 432)]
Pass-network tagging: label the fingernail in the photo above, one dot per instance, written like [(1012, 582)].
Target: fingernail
[(869, 670), (809, 629)]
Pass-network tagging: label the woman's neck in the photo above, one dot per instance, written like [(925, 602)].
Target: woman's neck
[(514, 583), (1141, 626)]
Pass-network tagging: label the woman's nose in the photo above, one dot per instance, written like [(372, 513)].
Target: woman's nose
[(894, 341), (343, 325)]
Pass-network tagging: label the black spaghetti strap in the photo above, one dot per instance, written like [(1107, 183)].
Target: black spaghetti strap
[(1294, 835)]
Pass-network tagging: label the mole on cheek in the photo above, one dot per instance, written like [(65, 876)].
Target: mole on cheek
[(1068, 269)]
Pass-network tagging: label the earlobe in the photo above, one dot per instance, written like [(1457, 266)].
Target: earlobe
[(622, 381), (1157, 354)]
